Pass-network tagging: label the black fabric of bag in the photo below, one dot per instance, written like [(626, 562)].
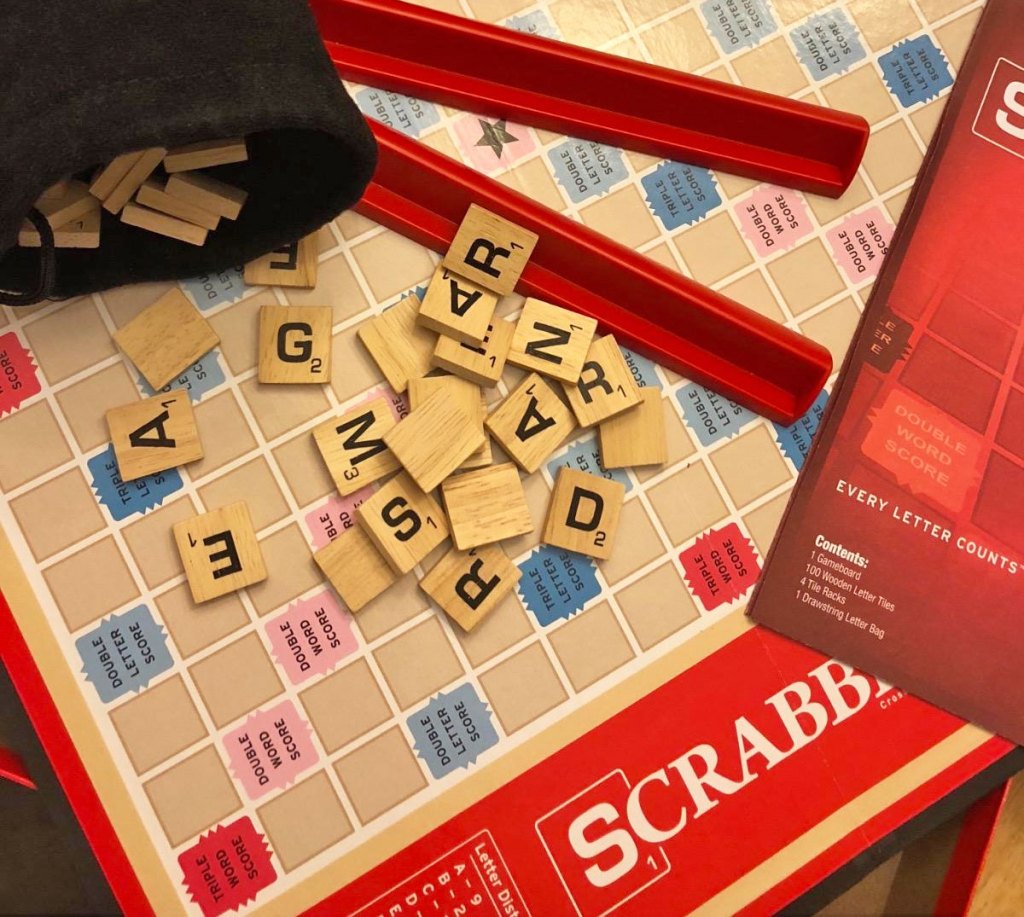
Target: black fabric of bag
[(81, 82)]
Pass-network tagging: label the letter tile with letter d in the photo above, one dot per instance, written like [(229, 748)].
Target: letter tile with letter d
[(584, 513), (295, 344), (220, 552)]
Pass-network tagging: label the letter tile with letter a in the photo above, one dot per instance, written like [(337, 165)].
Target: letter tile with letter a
[(583, 515), (353, 445), (605, 386), (457, 307), (403, 522), (469, 585), (490, 251), (531, 423), (295, 344), (220, 552), (551, 340), (153, 435)]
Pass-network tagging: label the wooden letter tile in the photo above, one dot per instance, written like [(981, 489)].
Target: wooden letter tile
[(80, 233), (153, 195), (132, 180), (551, 340), (401, 348), (166, 338), (403, 522), (154, 435), (457, 308), (71, 201), (605, 386), (353, 445), (584, 513), (469, 585), (200, 189), (637, 436), (292, 265), (531, 423), (219, 551), (162, 224), (355, 568), (205, 154), (435, 439), (107, 179), (464, 393), (295, 344), (480, 363), (489, 250), (485, 506)]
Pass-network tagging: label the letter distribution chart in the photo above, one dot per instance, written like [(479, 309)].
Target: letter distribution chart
[(606, 734)]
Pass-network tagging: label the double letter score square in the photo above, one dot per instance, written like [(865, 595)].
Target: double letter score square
[(220, 552)]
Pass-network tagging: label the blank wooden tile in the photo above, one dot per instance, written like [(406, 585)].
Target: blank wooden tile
[(435, 439), (480, 363), (404, 523), (153, 221), (291, 265), (469, 585), (401, 348), (637, 436), (153, 195), (107, 178), (353, 445), (489, 250), (457, 307), (551, 340), (356, 569), (486, 505), (605, 386), (219, 551), (205, 154), (531, 423), (166, 338), (468, 396), (154, 435), (584, 513), (200, 189), (295, 344), (132, 180), (72, 202), (83, 232)]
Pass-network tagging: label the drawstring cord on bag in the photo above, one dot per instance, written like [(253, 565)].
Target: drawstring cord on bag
[(47, 266)]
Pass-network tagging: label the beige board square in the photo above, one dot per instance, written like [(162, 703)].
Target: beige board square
[(254, 483), (401, 348), (752, 291), (192, 796), (687, 503), (464, 393), (938, 9), (643, 11), (828, 209), (551, 340), (590, 646), (771, 67), (157, 724), (623, 216), (152, 544), (290, 570), (280, 410), (380, 775), (336, 287), (750, 466), (295, 344), (469, 585), (238, 329), (353, 448), (806, 276), (219, 551), (504, 627), (124, 303), (522, 688), (657, 605), (897, 203), (481, 364), (91, 583), (457, 307), (224, 432), (166, 338), (639, 546), (862, 92), (486, 505), (584, 513), (493, 10), (884, 22), (392, 264), (531, 423), (346, 705), (789, 11), (490, 250), (763, 522), (69, 340), (401, 603), (236, 680), (734, 185), (636, 437), (926, 120), (153, 435), (713, 249), (304, 470), (418, 663), (955, 37), (356, 569), (57, 514), (680, 42), (533, 179), (892, 156), (31, 444), (193, 627), (588, 22), (304, 821), (605, 386), (834, 328)]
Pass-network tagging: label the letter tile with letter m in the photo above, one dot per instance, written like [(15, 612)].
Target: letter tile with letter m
[(583, 515), (220, 552), (295, 344)]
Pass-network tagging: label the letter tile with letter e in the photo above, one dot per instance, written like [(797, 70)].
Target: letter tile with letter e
[(353, 445), (531, 423), (292, 265), (295, 344), (469, 585), (551, 340), (583, 515), (220, 552), (457, 307), (605, 386), (481, 363), (403, 522), (153, 435), (490, 250), (355, 568)]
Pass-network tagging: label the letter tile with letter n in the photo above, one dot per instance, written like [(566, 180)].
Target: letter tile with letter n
[(531, 423), (153, 435), (291, 265), (295, 344), (605, 386), (457, 307), (403, 522), (551, 340), (355, 568), (220, 552), (469, 585), (583, 515), (490, 250), (353, 445)]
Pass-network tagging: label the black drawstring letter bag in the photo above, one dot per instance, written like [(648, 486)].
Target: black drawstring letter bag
[(81, 82)]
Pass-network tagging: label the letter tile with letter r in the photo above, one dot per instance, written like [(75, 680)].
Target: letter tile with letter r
[(583, 515), (469, 585), (490, 251)]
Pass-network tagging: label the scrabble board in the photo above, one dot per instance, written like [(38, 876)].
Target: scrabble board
[(268, 750)]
